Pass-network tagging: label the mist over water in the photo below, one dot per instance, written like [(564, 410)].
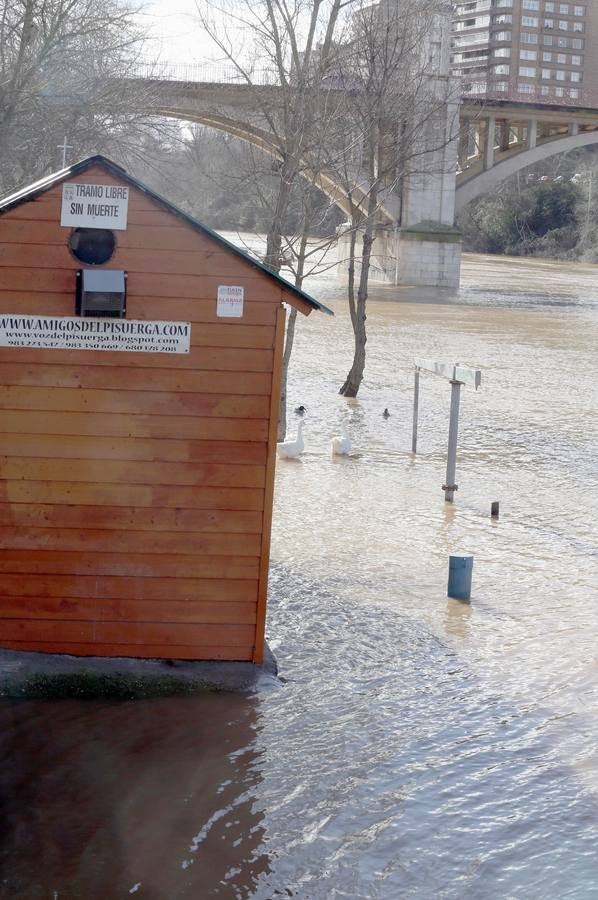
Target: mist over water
[(416, 746)]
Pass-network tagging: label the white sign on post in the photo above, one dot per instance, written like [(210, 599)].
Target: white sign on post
[(230, 301), (94, 206)]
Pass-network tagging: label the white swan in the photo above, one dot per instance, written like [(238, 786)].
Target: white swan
[(291, 449), (341, 445)]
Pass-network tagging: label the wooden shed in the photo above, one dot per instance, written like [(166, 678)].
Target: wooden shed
[(140, 358)]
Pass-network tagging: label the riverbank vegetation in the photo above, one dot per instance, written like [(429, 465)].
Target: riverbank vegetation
[(550, 211)]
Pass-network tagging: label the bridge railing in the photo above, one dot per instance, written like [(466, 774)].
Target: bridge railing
[(205, 73), (480, 90), (550, 95)]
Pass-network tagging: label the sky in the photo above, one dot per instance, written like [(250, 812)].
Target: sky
[(176, 35)]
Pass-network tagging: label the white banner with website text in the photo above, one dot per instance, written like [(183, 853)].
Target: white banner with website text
[(76, 333)]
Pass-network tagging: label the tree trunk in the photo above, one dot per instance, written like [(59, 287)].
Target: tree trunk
[(275, 231), (288, 344), (353, 380), (288, 349)]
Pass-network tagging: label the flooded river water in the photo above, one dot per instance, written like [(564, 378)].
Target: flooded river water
[(416, 747)]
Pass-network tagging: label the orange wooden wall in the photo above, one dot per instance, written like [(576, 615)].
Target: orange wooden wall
[(136, 488)]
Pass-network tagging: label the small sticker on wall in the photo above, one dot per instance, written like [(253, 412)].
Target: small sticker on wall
[(230, 301)]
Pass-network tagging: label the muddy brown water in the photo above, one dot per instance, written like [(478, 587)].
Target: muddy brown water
[(416, 747)]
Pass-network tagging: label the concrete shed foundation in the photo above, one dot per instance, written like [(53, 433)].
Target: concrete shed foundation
[(50, 675)]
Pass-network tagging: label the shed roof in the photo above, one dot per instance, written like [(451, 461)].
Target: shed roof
[(32, 191)]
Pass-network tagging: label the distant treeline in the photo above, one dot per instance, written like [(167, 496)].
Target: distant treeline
[(548, 210)]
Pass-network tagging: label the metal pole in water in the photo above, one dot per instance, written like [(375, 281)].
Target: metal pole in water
[(494, 509), (459, 577), (415, 410), (450, 487)]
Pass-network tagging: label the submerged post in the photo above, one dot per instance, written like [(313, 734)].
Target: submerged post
[(415, 410), (456, 375), (459, 577), (450, 487)]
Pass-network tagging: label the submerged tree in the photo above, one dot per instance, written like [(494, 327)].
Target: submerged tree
[(341, 93), (396, 113), (293, 47)]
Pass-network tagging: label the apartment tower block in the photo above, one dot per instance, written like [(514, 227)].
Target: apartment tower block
[(534, 50)]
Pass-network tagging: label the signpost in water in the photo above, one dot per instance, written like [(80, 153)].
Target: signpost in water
[(456, 375)]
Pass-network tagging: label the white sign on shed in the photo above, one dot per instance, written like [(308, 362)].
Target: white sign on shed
[(94, 206), (229, 302), (78, 333)]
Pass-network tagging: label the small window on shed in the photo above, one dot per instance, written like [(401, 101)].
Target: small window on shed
[(92, 246)]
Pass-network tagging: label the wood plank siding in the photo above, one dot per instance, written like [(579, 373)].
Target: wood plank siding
[(136, 488)]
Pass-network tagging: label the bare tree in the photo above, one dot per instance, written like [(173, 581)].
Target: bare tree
[(396, 113), (295, 45), (65, 67)]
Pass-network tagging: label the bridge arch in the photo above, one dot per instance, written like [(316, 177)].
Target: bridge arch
[(486, 180), (261, 139)]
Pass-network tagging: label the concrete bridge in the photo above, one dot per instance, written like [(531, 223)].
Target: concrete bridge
[(416, 242), (498, 138)]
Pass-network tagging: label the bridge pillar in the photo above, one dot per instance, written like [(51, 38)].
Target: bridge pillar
[(489, 136), (532, 133), (424, 247), (464, 142), (504, 135), (426, 254)]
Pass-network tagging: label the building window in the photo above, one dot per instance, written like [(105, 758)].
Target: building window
[(574, 93), (546, 57), (561, 58), (547, 40), (575, 76), (502, 19), (529, 21), (501, 86), (501, 3), (527, 37), (502, 51), (579, 10), (561, 42), (527, 72), (563, 25), (528, 54), (577, 44), (578, 26), (560, 75), (546, 74), (549, 7), (525, 88), (503, 36), (564, 9), (531, 4), (548, 23), (559, 92), (576, 60), (544, 90), (501, 70)]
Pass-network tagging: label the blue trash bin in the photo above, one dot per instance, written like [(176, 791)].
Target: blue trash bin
[(459, 578)]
